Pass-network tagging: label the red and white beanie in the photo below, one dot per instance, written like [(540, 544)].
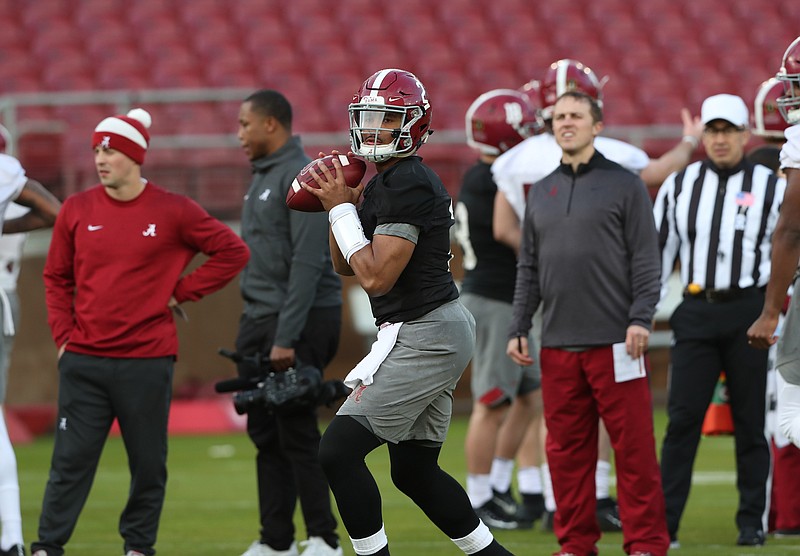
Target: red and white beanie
[(126, 134)]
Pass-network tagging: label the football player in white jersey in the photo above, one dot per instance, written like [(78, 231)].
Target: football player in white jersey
[(14, 186), (785, 254), (534, 158)]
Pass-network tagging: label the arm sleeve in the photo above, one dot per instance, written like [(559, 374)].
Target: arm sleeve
[(642, 241), (526, 290), (790, 153), (227, 253), (59, 278), (309, 232)]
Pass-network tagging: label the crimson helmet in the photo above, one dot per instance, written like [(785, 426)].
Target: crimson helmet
[(389, 91), (569, 75), (499, 119), (5, 139), (789, 103), (767, 119)]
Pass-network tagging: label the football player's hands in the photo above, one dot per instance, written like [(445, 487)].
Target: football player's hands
[(761, 334), (333, 190), (692, 126)]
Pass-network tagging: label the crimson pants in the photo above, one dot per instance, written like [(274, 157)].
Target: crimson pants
[(578, 388)]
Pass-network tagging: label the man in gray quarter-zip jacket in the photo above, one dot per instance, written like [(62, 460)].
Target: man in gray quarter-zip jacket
[(292, 312), (589, 254)]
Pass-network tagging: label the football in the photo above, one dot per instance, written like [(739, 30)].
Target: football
[(298, 198)]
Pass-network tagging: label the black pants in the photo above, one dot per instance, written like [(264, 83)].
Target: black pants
[(92, 392), (287, 465), (709, 338)]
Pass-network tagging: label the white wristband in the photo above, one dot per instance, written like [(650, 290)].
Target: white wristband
[(347, 230), (692, 140)]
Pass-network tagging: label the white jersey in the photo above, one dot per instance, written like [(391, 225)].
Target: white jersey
[(518, 168), (11, 250), (12, 180), (790, 153)]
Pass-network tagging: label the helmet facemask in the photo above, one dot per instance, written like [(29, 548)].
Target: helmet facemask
[(789, 103), (367, 126)]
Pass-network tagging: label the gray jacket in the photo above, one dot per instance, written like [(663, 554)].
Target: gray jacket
[(290, 270), (590, 254)]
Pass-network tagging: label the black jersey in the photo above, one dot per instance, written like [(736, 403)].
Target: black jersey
[(490, 267), (411, 193)]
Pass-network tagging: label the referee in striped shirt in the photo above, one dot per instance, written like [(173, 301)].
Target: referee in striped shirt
[(716, 217)]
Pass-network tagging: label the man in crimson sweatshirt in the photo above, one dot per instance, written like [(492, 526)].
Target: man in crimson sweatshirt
[(113, 284)]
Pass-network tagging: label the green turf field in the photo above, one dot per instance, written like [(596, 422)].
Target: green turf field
[(211, 503)]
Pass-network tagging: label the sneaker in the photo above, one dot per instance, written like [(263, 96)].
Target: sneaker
[(16, 550), (494, 517), (532, 507), (750, 536), (134, 553), (260, 549), (505, 501), (40, 553), (608, 515), (316, 546), (547, 521), (673, 543)]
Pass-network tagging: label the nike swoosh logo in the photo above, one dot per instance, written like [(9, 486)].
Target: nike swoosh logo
[(93, 228)]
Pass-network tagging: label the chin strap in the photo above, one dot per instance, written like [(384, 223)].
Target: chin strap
[(347, 229)]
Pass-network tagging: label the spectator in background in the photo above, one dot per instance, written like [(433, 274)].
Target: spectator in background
[(717, 217), (292, 311), (506, 397), (523, 165), (14, 183), (114, 278), (598, 300), (397, 245), (784, 506)]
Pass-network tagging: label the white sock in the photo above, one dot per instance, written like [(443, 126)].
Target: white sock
[(529, 480), (547, 487), (10, 516), (371, 544), (479, 539), (502, 470), (479, 489), (601, 479)]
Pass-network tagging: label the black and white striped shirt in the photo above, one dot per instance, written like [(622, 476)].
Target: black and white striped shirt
[(718, 223)]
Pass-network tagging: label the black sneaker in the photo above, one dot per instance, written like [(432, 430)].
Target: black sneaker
[(750, 536), (16, 550), (506, 502), (495, 517), (532, 507), (608, 515)]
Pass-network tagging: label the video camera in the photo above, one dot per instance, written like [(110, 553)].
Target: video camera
[(300, 387)]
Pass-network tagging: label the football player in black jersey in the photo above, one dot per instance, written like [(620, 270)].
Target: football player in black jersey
[(506, 397), (397, 245)]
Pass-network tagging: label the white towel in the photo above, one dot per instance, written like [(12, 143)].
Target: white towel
[(367, 367)]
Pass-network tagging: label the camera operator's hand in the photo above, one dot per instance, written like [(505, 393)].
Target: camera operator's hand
[(281, 358)]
